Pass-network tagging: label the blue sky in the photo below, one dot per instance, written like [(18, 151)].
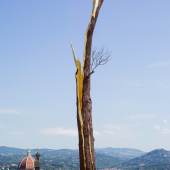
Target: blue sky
[(130, 94)]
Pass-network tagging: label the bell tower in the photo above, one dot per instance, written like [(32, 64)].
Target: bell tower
[(37, 161)]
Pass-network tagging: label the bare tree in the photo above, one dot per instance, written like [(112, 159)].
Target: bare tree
[(83, 83), (99, 58)]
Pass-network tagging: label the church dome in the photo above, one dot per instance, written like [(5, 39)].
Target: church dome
[(27, 163)]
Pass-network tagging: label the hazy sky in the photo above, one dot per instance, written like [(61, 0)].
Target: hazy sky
[(131, 94)]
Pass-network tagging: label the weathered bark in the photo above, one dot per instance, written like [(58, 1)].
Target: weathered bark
[(80, 128), (84, 103), (81, 142), (79, 89), (86, 97)]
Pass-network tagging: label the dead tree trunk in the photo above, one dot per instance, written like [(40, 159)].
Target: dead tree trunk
[(86, 97), (84, 103)]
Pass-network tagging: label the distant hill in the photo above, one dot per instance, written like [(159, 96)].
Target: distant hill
[(106, 158), (123, 153), (69, 159), (11, 151), (158, 159)]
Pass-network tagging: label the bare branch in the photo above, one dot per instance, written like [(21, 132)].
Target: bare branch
[(99, 58)]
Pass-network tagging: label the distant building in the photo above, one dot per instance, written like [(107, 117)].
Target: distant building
[(29, 162)]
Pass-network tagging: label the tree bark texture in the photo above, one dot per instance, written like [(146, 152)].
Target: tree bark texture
[(84, 102), (86, 97)]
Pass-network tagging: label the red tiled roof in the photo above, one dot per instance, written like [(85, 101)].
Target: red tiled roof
[(27, 163)]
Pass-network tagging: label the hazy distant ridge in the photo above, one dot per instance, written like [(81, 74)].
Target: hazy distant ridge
[(112, 158)]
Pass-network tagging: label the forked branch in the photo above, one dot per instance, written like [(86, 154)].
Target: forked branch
[(99, 58)]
